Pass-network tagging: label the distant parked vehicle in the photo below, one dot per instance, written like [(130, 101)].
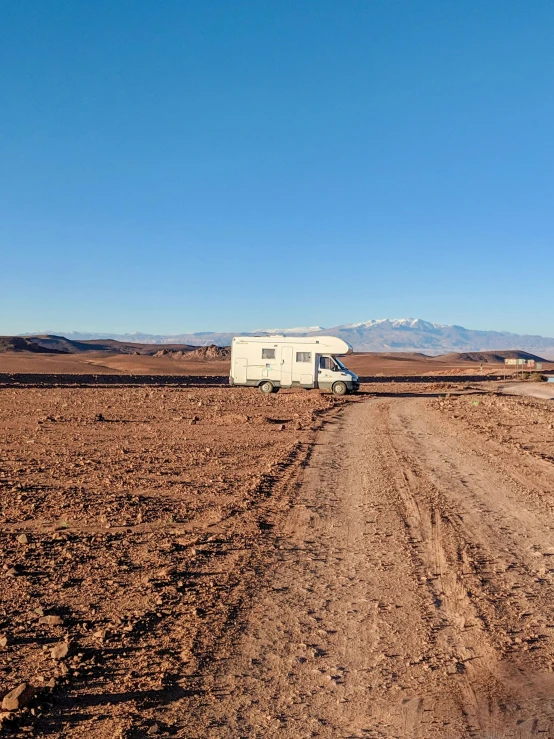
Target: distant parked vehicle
[(273, 362)]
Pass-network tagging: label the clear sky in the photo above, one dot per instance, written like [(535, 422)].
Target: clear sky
[(206, 164)]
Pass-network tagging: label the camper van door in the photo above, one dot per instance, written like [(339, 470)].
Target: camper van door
[(239, 374), (286, 366)]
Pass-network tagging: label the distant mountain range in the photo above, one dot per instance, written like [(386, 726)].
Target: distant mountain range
[(382, 335)]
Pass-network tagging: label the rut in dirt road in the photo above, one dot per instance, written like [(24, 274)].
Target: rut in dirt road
[(412, 594)]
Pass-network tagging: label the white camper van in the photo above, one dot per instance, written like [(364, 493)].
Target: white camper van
[(272, 362)]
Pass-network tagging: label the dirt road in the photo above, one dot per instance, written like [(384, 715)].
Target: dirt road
[(209, 579), (544, 390), (411, 593)]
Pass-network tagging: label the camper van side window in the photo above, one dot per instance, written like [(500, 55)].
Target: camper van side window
[(303, 356), (268, 353)]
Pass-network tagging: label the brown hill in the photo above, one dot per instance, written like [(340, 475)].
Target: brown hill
[(61, 345), (20, 344), (493, 357)]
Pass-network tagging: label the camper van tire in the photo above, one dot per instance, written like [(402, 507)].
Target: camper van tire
[(267, 387), (339, 388)]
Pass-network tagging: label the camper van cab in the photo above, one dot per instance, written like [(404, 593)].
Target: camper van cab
[(273, 362)]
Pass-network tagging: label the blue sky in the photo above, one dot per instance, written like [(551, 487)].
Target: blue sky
[(175, 166)]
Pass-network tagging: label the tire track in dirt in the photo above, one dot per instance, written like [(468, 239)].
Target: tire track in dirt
[(482, 523), (457, 636), (410, 594)]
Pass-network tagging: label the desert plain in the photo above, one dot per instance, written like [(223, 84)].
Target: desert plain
[(181, 558)]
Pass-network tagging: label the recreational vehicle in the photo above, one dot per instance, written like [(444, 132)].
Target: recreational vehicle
[(273, 362)]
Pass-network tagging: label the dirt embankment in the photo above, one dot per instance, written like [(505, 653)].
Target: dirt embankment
[(132, 526)]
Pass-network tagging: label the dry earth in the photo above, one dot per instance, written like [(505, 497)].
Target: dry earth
[(132, 522), (216, 579), (363, 364), (103, 363), (413, 587)]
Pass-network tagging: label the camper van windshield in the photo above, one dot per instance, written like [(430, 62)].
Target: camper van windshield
[(340, 364)]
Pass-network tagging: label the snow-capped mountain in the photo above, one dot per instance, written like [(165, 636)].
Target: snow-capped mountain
[(394, 322), (378, 335), (415, 334)]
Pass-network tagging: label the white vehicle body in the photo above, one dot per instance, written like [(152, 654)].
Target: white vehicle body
[(272, 362)]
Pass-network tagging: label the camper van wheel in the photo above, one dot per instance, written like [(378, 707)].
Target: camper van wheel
[(339, 388), (267, 387)]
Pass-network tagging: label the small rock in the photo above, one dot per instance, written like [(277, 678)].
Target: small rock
[(4, 641), (51, 621), (101, 634), (166, 572), (17, 698), (154, 729), (60, 651), (23, 539)]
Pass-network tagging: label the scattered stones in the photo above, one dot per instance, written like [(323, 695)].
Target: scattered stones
[(51, 621), (167, 572), (17, 698), (60, 651)]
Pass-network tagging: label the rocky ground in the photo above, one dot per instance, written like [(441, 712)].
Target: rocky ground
[(206, 563), (133, 523), (520, 425)]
